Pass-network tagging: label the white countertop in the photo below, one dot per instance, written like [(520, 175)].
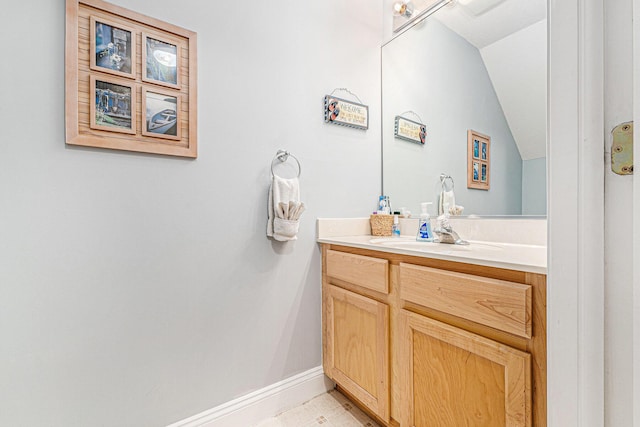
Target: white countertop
[(511, 256)]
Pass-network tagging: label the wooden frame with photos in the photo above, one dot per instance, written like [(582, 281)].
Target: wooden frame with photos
[(82, 126), (146, 77), (478, 160), (148, 123), (107, 105)]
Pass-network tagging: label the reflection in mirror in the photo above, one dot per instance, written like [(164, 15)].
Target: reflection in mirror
[(476, 65)]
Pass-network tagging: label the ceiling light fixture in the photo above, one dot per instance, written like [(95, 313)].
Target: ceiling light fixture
[(403, 8), (434, 6)]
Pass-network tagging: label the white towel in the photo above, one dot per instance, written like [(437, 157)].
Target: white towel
[(282, 191), (446, 198)]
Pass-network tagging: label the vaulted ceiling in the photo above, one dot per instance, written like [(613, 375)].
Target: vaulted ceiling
[(511, 36)]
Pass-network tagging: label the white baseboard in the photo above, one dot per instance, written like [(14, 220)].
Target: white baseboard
[(269, 401)]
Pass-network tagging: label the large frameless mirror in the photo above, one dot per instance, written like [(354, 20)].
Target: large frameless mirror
[(477, 65)]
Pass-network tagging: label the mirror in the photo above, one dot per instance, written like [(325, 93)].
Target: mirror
[(476, 65)]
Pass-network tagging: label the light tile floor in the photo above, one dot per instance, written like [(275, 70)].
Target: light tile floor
[(329, 409)]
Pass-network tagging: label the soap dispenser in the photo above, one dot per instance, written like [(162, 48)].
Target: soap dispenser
[(424, 226)]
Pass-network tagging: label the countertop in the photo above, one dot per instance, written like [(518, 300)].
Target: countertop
[(511, 256)]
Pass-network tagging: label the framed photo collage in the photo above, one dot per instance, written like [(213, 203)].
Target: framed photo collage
[(478, 160), (139, 88)]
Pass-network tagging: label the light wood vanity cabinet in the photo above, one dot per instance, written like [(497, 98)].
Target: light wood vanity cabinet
[(421, 342), (356, 329), (357, 347), (458, 378)]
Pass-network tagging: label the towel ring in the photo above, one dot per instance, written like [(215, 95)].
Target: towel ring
[(443, 181), (283, 156)]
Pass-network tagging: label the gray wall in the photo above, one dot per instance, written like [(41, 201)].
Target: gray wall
[(534, 186), (139, 289), (436, 73)]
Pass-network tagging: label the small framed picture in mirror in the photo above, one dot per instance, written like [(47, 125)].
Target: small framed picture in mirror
[(478, 156)]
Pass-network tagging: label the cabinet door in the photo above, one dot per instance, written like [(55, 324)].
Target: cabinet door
[(454, 378), (357, 347)]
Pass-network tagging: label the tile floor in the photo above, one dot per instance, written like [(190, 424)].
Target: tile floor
[(329, 409)]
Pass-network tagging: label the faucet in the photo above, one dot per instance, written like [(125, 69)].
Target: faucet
[(445, 232)]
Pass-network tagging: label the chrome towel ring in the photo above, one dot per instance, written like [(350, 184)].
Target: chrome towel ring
[(443, 181), (283, 156)]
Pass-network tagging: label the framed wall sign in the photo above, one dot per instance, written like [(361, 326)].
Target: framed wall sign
[(345, 113), (131, 81), (478, 160), (410, 130)]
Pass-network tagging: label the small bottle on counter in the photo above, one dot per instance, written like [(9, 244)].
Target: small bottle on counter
[(395, 230), (384, 207)]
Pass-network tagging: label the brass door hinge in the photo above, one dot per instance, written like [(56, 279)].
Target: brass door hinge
[(622, 149)]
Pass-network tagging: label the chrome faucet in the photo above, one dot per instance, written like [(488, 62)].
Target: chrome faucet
[(446, 234)]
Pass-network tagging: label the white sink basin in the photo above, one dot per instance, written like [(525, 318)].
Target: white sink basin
[(411, 244)]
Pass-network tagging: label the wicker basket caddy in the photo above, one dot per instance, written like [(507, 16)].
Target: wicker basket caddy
[(381, 225)]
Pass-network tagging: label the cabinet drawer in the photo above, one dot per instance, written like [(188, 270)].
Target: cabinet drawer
[(496, 303), (368, 272)]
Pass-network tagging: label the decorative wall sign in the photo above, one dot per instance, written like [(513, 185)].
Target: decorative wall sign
[(410, 130), (151, 105), (478, 160), (346, 113)]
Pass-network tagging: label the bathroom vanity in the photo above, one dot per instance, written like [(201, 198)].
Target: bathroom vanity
[(434, 335)]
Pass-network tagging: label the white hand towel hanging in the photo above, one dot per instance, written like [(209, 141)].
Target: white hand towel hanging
[(447, 199), (284, 208)]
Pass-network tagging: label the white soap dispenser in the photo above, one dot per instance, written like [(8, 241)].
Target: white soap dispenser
[(424, 226)]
